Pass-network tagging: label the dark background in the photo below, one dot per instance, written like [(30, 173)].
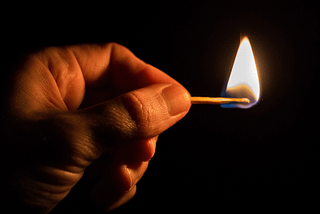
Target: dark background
[(214, 158)]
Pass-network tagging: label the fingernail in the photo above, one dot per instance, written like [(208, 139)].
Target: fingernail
[(177, 99)]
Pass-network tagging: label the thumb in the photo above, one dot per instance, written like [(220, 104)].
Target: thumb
[(139, 114)]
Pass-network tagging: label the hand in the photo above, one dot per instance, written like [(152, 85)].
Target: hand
[(93, 110)]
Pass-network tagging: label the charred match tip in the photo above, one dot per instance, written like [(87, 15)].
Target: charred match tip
[(217, 100)]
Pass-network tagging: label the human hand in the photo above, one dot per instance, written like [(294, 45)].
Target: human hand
[(93, 110)]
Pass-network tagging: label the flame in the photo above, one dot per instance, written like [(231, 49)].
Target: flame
[(243, 81)]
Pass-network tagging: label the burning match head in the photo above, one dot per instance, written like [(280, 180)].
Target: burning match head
[(240, 91)]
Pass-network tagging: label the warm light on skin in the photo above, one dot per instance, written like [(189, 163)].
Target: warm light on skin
[(243, 80)]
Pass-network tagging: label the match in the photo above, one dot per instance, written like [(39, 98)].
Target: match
[(217, 100)]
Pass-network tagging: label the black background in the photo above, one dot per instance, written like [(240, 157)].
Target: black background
[(230, 158)]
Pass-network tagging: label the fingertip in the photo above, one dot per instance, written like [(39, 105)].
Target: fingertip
[(107, 199), (129, 175), (124, 199), (147, 149), (177, 99), (126, 179)]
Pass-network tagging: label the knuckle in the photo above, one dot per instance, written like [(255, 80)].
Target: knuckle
[(140, 112)]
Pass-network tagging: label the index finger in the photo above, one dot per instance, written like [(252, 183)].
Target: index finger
[(113, 67)]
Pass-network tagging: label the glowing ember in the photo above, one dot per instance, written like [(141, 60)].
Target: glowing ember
[(243, 80)]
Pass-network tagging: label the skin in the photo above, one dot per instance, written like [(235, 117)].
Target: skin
[(83, 110)]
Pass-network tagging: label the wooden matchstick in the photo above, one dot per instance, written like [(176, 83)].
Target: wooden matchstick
[(217, 100)]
